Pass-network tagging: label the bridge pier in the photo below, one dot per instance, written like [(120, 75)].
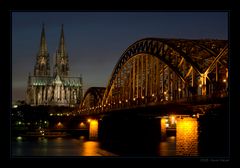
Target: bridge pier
[(93, 129), (163, 129)]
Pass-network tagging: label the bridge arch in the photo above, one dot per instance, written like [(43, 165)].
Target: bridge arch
[(189, 60), (91, 98), (156, 70)]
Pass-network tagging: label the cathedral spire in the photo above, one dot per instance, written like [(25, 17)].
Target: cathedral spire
[(61, 48), (61, 63), (42, 67), (43, 44)]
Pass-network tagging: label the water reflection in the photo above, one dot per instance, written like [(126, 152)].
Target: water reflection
[(90, 148), (168, 147), (57, 147), (138, 138), (187, 137)]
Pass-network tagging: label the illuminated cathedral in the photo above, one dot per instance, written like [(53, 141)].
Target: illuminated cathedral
[(58, 89)]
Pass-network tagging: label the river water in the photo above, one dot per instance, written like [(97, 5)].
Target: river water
[(73, 146), (59, 146), (207, 137)]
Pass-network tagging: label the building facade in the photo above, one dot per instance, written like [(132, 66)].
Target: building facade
[(58, 89)]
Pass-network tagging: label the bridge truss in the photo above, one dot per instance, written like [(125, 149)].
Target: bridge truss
[(153, 71)]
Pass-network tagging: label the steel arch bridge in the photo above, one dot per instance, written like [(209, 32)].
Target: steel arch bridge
[(91, 97), (156, 70)]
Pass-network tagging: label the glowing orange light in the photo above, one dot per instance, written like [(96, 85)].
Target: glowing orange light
[(172, 120), (187, 136), (93, 130), (82, 125), (59, 125)]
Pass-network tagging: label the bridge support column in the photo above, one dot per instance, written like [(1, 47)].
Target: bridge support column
[(93, 129), (187, 136), (204, 87), (163, 129)]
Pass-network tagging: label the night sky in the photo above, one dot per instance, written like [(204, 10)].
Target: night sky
[(96, 40)]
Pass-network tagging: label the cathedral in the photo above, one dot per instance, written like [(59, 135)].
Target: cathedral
[(57, 89)]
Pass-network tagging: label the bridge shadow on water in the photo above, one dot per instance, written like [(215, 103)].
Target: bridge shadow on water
[(140, 136), (214, 133), (130, 135)]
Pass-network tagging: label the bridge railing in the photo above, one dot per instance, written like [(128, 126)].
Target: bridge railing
[(151, 101)]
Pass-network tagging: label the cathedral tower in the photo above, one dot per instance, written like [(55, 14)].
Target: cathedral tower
[(59, 89), (42, 67), (61, 60)]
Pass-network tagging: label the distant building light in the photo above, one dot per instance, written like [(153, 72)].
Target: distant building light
[(224, 80), (19, 138), (15, 106)]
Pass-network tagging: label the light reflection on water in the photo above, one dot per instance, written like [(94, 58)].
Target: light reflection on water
[(168, 147), (90, 148), (75, 147), (57, 147), (183, 143)]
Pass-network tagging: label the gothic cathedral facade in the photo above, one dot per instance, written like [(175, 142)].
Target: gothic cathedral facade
[(55, 90)]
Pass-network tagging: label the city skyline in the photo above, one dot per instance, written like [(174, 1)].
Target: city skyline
[(96, 40)]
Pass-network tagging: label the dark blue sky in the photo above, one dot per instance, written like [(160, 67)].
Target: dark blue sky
[(96, 40)]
